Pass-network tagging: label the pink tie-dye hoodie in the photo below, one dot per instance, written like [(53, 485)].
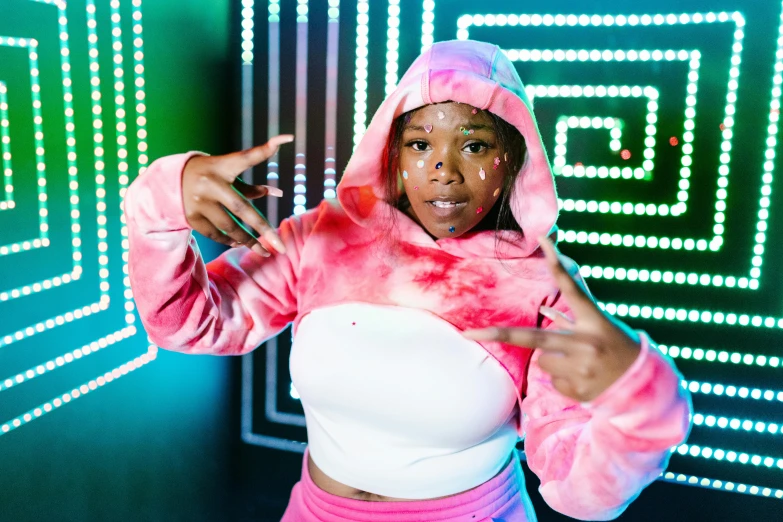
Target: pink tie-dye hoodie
[(592, 458)]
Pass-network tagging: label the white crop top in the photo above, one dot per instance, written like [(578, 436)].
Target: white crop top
[(398, 403)]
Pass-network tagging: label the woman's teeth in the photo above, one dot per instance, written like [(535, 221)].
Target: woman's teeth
[(444, 204)]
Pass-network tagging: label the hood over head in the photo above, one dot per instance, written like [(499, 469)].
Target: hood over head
[(474, 73)]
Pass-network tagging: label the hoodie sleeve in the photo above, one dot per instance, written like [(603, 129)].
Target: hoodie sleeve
[(594, 458), (226, 307)]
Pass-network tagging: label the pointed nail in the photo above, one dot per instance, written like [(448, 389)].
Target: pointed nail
[(485, 334), (274, 191), (549, 313)]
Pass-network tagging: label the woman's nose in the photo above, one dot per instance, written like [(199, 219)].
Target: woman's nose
[(446, 171)]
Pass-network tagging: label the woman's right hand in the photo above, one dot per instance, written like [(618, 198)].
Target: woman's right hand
[(212, 191)]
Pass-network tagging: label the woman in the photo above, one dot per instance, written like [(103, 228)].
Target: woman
[(434, 323)]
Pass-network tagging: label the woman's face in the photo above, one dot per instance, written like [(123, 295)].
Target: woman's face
[(451, 166)]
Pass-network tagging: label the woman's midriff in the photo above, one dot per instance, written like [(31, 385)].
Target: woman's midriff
[(328, 484)]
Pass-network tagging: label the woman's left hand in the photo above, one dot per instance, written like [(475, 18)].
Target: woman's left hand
[(585, 355)]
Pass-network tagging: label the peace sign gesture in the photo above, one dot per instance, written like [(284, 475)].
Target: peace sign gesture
[(585, 355), (216, 199)]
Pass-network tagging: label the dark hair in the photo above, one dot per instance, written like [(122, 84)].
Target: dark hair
[(511, 143)]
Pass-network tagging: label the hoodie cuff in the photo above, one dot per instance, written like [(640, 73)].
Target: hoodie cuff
[(154, 200)]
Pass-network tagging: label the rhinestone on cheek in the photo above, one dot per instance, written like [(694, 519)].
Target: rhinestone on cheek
[(479, 210), (497, 191), (482, 174), (451, 229), (405, 174), (438, 164), (420, 164)]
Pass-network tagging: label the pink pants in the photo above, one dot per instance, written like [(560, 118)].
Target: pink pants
[(501, 499)]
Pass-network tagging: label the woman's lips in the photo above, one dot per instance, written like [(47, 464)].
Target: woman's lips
[(446, 210)]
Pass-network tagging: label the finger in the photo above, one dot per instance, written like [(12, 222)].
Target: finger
[(207, 229), (237, 162), (558, 318), (578, 299), (237, 234), (526, 337), (242, 209), (256, 191), (556, 364)]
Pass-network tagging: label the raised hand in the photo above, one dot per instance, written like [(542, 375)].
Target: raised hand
[(216, 199), (584, 356)]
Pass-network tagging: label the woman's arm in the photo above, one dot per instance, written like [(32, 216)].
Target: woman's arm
[(594, 458), (226, 307)]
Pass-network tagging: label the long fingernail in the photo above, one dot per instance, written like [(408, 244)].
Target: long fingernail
[(279, 246), (274, 191), (485, 334), (258, 249), (549, 313), (285, 138)]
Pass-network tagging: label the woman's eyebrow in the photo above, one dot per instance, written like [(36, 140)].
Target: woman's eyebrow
[(475, 127)]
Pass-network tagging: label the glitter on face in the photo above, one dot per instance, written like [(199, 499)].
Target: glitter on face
[(441, 115), (465, 131), (482, 174), (438, 164), (405, 174), (479, 210), (420, 164), (451, 229), (428, 128), (497, 191)]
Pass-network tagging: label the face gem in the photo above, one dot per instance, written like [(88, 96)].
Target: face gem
[(471, 131), (441, 115), (479, 210), (439, 165), (497, 191), (417, 188), (505, 156), (420, 164), (405, 174), (482, 174), (497, 162), (428, 128), (451, 229), (474, 111)]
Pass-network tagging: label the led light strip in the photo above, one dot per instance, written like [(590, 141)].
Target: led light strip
[(741, 392), (103, 303), (141, 108), (427, 25), (693, 450), (392, 46), (300, 163), (360, 85), (330, 138), (247, 31), (615, 127), (84, 389), (748, 425), (43, 227), (693, 57), (5, 147), (130, 317), (642, 241), (694, 316), (273, 92), (690, 480), (654, 276), (67, 358), (720, 356)]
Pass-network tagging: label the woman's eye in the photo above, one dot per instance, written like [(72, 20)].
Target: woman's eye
[(419, 146), (476, 147)]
